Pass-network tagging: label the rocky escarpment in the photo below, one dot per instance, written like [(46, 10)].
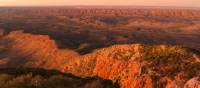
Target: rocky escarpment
[(24, 49), (132, 66), (141, 66)]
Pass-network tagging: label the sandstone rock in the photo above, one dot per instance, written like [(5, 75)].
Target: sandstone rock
[(115, 63), (193, 83), (35, 51)]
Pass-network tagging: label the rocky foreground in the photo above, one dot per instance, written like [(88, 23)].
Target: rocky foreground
[(131, 65), (141, 66)]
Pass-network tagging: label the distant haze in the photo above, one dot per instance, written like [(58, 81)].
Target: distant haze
[(182, 3)]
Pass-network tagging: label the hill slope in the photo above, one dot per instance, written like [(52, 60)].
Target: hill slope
[(139, 66), (132, 66), (41, 78), (24, 49)]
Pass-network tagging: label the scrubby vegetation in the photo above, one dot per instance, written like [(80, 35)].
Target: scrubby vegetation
[(169, 61), (40, 78)]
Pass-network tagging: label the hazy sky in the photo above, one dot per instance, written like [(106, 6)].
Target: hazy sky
[(186, 3)]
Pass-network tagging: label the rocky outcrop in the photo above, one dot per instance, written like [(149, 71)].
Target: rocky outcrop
[(193, 83), (138, 66), (24, 49)]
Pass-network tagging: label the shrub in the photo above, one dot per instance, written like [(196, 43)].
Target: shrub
[(169, 61), (40, 78)]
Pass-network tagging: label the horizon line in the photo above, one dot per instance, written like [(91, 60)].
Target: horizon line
[(97, 6)]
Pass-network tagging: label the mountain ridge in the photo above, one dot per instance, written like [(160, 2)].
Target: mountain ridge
[(130, 65)]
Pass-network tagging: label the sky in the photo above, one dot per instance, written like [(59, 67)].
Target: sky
[(181, 3)]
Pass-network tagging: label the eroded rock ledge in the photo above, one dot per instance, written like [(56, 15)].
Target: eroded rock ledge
[(141, 66)]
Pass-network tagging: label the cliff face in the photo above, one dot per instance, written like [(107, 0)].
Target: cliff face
[(140, 66), (23, 49)]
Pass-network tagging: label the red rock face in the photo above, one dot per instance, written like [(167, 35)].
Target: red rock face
[(119, 64), (109, 66), (193, 83), (36, 51)]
